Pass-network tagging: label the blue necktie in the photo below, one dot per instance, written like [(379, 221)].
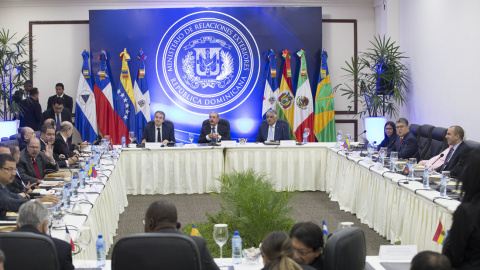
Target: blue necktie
[(270, 133), (214, 140)]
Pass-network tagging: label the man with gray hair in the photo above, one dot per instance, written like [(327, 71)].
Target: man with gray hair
[(158, 130), (406, 144), (33, 217), (62, 146), (272, 129), (214, 132)]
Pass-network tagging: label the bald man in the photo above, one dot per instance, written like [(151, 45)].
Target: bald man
[(33, 163), (62, 146)]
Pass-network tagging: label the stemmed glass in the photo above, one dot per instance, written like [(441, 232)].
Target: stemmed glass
[(84, 238), (191, 136), (220, 235), (306, 133), (131, 136), (350, 140)]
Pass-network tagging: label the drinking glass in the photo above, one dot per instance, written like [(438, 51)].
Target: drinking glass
[(382, 155), (339, 135), (306, 133), (131, 136), (191, 136), (411, 167), (220, 235), (444, 183), (393, 159), (349, 137), (107, 137), (84, 238)]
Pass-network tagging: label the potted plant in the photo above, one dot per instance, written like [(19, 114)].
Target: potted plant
[(14, 70)]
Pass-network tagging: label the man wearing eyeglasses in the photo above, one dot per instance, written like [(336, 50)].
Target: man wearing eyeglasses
[(33, 162), (406, 144)]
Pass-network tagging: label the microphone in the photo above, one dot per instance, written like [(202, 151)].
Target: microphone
[(419, 148), (441, 155), (355, 139)]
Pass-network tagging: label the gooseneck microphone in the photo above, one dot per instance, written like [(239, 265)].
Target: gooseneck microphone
[(441, 155), (355, 139)]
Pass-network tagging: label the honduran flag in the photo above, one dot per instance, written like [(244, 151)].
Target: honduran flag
[(142, 98), (286, 99), (85, 111), (271, 85), (303, 103), (104, 98), (125, 103)]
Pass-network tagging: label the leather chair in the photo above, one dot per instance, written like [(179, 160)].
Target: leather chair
[(278, 120), (472, 144), (346, 250), (156, 251), (414, 128), (167, 122), (438, 144), (424, 140), (25, 250), (223, 122)]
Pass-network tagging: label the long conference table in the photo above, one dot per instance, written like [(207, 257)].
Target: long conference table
[(398, 211)]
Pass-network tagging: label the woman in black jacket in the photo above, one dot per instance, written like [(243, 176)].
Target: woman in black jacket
[(390, 135)]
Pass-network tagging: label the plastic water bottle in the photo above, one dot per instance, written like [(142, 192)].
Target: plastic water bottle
[(124, 144), (426, 176), (74, 187), (370, 151), (443, 186), (81, 176), (392, 163), (100, 244), (66, 197), (237, 248)]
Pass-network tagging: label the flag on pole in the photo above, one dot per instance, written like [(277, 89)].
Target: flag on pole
[(325, 229), (142, 98), (346, 144), (125, 102), (68, 239), (324, 122), (303, 103), (104, 98), (195, 231), (85, 111), (285, 96), (440, 234), (271, 85)]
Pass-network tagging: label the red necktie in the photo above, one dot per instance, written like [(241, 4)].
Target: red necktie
[(36, 169), (400, 144), (68, 147)]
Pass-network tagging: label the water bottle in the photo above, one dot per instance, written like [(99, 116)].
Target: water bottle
[(100, 245), (66, 197), (392, 163), (87, 166), (237, 248), (74, 187), (81, 176), (370, 151), (124, 144), (305, 136), (426, 176), (443, 186)]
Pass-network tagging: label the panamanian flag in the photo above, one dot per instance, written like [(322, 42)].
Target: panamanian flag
[(85, 111), (125, 103), (271, 85), (142, 98), (104, 98)]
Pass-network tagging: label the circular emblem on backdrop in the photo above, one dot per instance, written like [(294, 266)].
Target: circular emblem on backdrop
[(285, 99), (141, 103), (208, 61), (302, 102), (271, 100)]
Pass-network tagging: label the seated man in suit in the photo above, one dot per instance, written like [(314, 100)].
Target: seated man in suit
[(161, 217), (214, 132), (9, 201), (26, 134), (272, 130), (58, 113), (32, 110), (33, 217), (47, 135), (18, 186), (61, 145), (457, 153), (33, 162), (68, 100), (159, 131), (406, 144)]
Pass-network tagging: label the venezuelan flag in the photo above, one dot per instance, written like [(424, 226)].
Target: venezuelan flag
[(346, 144)]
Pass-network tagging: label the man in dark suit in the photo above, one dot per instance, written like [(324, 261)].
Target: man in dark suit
[(161, 217), (18, 186), (458, 154), (272, 130), (9, 201), (68, 100), (33, 162), (61, 145), (47, 135), (58, 113), (158, 131), (32, 110), (406, 144), (214, 132), (33, 217), (26, 133)]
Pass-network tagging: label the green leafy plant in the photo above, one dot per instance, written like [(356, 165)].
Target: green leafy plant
[(381, 78)]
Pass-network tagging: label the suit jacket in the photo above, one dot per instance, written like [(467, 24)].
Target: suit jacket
[(458, 158), (26, 169), (60, 147), (17, 186), (221, 130), (9, 201), (68, 102), (65, 114), (207, 261), (32, 113), (167, 133), (64, 250), (408, 149), (62, 163), (281, 132), (388, 142)]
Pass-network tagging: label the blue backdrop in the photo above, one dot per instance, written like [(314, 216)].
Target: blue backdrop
[(207, 59)]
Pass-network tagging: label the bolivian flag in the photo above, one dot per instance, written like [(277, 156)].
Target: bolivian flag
[(285, 95), (195, 231), (324, 122), (440, 234)]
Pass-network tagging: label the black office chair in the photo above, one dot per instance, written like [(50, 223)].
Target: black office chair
[(346, 250), (167, 122), (223, 122), (25, 250), (472, 144), (438, 143), (156, 251), (414, 128), (278, 120), (424, 140)]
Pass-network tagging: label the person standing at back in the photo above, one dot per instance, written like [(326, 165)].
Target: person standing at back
[(61, 94)]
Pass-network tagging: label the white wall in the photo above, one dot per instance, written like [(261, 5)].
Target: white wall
[(441, 38)]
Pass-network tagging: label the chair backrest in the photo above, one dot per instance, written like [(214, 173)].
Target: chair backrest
[(472, 144), (156, 251), (223, 122), (25, 250), (346, 243), (278, 120), (167, 122), (438, 143), (414, 128), (424, 139)]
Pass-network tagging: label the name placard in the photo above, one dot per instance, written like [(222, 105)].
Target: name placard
[(228, 143), (394, 253), (153, 145), (288, 143)]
